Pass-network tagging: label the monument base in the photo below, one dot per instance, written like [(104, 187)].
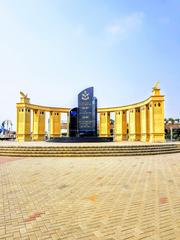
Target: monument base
[(80, 139)]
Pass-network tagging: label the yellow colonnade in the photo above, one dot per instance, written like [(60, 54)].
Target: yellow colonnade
[(143, 121)]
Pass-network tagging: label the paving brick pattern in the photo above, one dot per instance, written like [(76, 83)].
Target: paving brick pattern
[(120, 198)]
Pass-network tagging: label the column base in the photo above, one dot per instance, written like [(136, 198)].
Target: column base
[(23, 137), (38, 137), (55, 135), (104, 135), (144, 137), (138, 137), (134, 137), (157, 138), (120, 137)]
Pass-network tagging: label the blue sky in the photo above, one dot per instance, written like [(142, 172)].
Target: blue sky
[(53, 49)]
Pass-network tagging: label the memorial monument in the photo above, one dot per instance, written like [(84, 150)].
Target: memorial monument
[(83, 120)]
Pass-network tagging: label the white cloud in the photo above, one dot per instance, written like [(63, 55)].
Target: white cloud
[(126, 25)]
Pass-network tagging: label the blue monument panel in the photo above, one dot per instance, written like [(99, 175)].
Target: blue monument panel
[(73, 123), (87, 113)]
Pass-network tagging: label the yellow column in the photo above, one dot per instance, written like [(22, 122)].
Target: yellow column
[(134, 125), (23, 119), (68, 121), (156, 116), (104, 126), (23, 123), (144, 123), (38, 125), (120, 126), (147, 122), (138, 125), (55, 124)]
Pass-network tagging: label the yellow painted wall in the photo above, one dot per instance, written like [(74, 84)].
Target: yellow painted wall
[(143, 120), (23, 126), (120, 126), (38, 125), (147, 122), (157, 120), (55, 124), (143, 111), (132, 125), (104, 126), (138, 125)]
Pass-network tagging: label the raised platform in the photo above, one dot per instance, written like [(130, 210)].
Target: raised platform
[(80, 139), (44, 149)]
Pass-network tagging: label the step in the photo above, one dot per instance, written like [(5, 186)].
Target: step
[(83, 151), (86, 154)]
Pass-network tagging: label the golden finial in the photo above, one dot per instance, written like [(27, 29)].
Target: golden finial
[(23, 95), (156, 85)]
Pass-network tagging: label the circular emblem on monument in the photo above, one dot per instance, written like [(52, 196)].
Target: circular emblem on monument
[(85, 95)]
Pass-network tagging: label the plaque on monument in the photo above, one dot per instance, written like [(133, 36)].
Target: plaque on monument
[(87, 113)]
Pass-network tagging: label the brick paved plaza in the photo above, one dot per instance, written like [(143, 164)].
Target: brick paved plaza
[(120, 198)]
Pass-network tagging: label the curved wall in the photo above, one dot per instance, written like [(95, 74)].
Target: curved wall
[(142, 121)]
